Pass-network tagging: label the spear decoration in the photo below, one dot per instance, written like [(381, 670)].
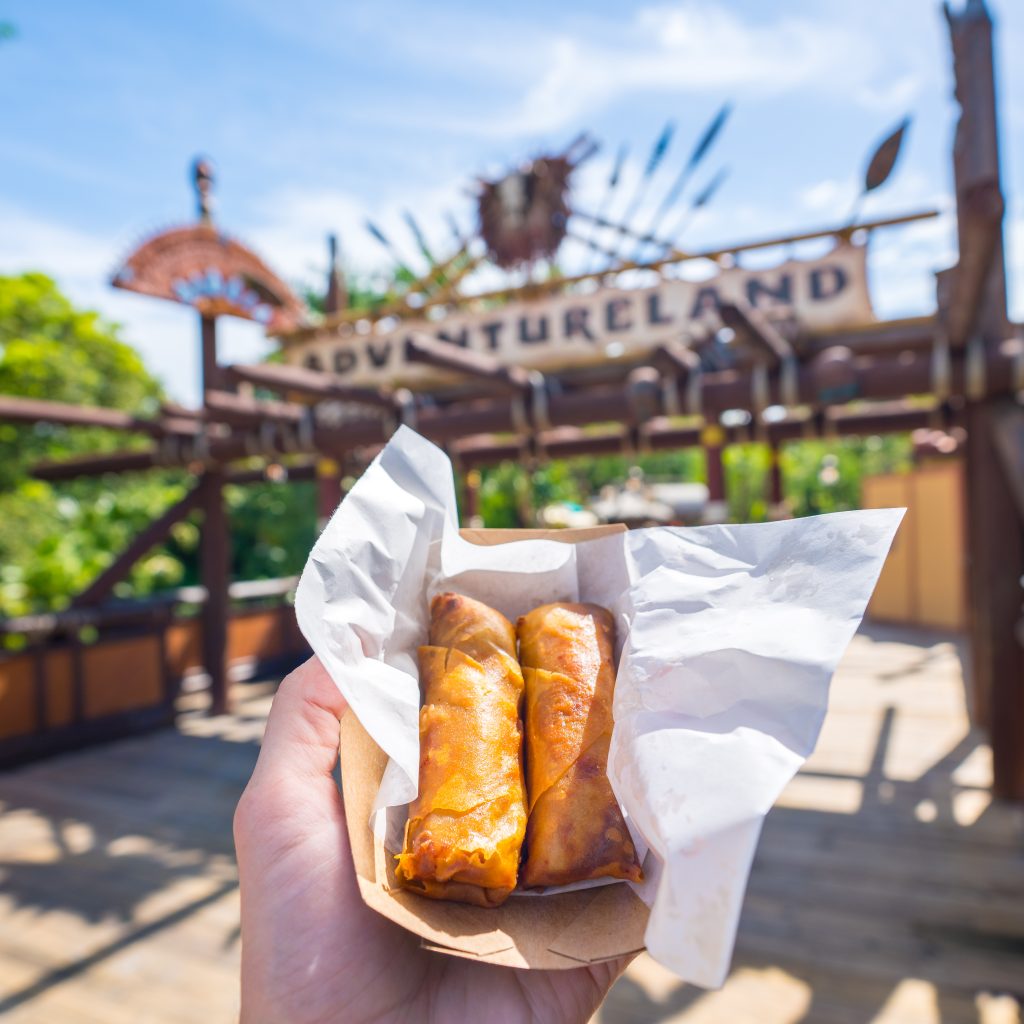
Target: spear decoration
[(604, 222), (700, 201), (881, 165), (453, 227), (602, 211), (700, 150), (884, 159), (386, 242), (658, 152), (421, 240)]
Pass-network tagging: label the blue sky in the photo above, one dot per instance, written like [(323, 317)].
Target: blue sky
[(319, 114)]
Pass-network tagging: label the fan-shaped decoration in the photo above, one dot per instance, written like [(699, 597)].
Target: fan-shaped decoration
[(217, 275)]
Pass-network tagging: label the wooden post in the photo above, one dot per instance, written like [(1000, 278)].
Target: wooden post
[(973, 295), (713, 438), (776, 497), (996, 568), (208, 337), (471, 497), (328, 490), (215, 549), (215, 546)]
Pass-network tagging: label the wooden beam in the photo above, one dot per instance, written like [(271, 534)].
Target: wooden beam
[(175, 411), (315, 383), (884, 338), (37, 410), (419, 348), (226, 407), (96, 465), (155, 533), (754, 327), (293, 471), (679, 360), (664, 435), (875, 378)]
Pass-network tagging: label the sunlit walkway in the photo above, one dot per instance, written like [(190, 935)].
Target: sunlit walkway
[(887, 888)]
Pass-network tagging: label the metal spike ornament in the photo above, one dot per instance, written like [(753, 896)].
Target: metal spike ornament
[(523, 216)]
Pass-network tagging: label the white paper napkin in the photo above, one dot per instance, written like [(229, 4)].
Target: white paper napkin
[(729, 636)]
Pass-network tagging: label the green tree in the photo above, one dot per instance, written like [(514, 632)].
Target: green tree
[(273, 527), (511, 495), (57, 539)]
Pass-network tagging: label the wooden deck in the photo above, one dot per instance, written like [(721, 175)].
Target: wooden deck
[(888, 887)]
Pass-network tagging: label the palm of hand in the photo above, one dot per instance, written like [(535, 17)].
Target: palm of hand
[(312, 951)]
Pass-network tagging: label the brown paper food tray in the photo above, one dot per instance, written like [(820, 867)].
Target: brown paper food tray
[(558, 931)]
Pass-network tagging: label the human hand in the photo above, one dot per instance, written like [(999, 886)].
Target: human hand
[(312, 951)]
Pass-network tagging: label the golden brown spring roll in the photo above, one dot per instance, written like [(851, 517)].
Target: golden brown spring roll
[(576, 830), (466, 826)]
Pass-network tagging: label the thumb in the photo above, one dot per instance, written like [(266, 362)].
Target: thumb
[(301, 738)]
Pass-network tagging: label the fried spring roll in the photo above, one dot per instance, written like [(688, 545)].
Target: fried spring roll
[(576, 830), (466, 826)]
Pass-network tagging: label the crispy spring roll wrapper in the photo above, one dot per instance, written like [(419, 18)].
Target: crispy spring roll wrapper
[(466, 826), (576, 830)]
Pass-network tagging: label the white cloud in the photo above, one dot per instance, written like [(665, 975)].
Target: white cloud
[(290, 226), (828, 196), (693, 46)]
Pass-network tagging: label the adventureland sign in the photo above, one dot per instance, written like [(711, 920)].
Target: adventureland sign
[(576, 330)]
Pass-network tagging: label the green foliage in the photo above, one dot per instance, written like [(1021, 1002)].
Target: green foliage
[(57, 539), (818, 476), (511, 495), (810, 485), (273, 527), (364, 293), (50, 350), (746, 482)]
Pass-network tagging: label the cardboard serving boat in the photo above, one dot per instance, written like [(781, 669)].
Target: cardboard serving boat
[(552, 931)]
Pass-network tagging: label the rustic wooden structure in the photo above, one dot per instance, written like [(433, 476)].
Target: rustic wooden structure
[(959, 366)]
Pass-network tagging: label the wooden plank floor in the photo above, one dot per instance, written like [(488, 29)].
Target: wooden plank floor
[(888, 887)]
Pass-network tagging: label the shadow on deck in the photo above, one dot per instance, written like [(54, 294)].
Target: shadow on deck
[(887, 886)]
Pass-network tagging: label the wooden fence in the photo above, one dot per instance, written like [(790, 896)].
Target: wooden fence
[(924, 580), (117, 670)]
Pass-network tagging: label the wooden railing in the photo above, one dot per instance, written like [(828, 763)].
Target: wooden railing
[(92, 674)]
